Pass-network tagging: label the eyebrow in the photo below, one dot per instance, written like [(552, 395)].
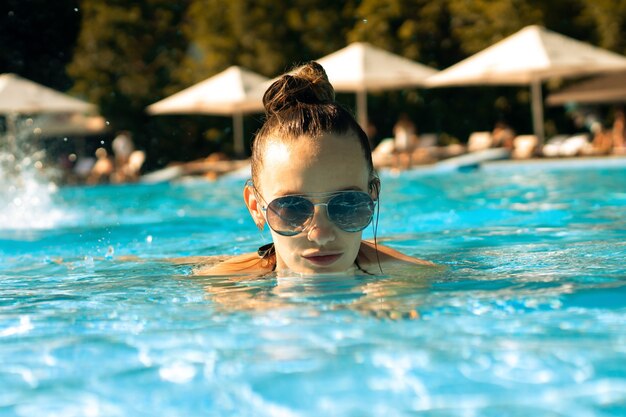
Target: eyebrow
[(290, 192)]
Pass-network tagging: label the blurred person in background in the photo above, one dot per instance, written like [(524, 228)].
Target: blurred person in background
[(102, 169), (405, 140)]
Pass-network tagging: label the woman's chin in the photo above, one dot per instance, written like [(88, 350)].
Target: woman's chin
[(307, 271)]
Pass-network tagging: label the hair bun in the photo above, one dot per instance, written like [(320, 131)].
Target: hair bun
[(308, 85)]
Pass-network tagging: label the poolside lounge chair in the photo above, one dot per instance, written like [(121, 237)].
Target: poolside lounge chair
[(479, 141), (575, 145), (553, 145), (524, 146), (564, 145)]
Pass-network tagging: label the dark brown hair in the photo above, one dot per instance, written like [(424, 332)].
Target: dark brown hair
[(302, 104)]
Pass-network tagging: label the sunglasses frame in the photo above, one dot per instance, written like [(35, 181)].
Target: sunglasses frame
[(311, 196)]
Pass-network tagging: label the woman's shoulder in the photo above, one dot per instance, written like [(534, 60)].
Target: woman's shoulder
[(371, 253)]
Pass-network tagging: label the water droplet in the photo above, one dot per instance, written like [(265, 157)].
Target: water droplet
[(110, 252), (64, 139), (101, 142), (178, 373), (365, 21), (89, 261), (149, 239), (76, 9), (107, 123)]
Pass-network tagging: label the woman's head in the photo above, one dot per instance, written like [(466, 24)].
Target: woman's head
[(311, 146), (303, 104)]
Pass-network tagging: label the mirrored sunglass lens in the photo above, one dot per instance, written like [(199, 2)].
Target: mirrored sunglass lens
[(351, 211), (289, 214)]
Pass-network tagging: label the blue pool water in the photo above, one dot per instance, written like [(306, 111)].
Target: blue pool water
[(526, 318)]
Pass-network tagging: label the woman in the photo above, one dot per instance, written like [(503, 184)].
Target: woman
[(313, 183)]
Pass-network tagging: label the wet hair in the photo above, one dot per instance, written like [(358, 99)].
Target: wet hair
[(302, 106)]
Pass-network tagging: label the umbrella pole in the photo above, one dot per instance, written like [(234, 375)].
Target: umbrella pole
[(238, 133), (537, 110), (11, 132), (361, 108)]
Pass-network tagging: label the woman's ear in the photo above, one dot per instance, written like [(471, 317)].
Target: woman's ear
[(374, 188), (254, 207)]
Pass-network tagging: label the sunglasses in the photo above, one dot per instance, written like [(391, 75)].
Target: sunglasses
[(289, 215)]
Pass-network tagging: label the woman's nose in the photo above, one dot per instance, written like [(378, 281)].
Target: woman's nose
[(321, 230)]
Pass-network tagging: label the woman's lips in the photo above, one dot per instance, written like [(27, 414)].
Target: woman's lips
[(322, 259)]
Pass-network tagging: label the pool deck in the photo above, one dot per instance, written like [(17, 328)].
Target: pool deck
[(610, 161), (465, 163), (488, 160), (209, 170)]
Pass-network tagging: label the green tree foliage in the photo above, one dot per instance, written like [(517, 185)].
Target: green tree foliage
[(608, 17), (222, 33), (266, 36), (129, 55), (416, 29), (320, 26), (124, 59), (480, 23), (126, 52)]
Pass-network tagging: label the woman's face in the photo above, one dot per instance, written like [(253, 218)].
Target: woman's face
[(330, 163)]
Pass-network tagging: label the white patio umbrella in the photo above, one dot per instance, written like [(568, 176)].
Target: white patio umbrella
[(528, 57), (607, 88), (21, 96), (231, 92), (361, 67)]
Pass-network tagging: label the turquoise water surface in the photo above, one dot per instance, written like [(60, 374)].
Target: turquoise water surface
[(527, 316)]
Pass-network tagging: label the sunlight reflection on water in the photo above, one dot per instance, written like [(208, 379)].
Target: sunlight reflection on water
[(525, 316)]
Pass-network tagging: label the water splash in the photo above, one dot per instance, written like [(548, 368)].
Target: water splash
[(27, 187)]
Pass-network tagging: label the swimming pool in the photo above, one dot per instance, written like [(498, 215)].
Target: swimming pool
[(528, 317)]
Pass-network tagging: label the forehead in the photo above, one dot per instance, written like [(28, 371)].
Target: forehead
[(310, 165)]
